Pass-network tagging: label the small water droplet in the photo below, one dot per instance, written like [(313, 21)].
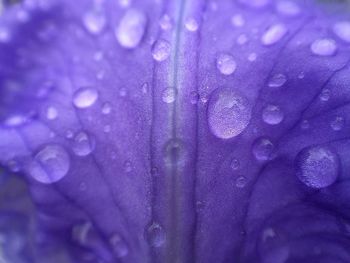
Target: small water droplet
[(161, 50), (317, 166), (51, 113), (194, 97), (155, 235), (175, 153), (301, 75), (242, 39), (255, 3), (85, 97), (342, 30), (237, 20), (169, 95), (131, 28), (325, 95), (263, 149), (235, 164), (95, 21), (229, 113), (166, 22), (277, 80), (50, 164), (272, 114), (241, 182), (226, 64), (5, 35), (274, 34), (268, 233), (69, 134), (127, 166), (288, 8), (305, 125), (191, 24), (107, 128), (98, 56), (324, 47), (252, 57), (337, 123), (106, 108), (145, 88), (120, 248), (83, 145), (16, 120)]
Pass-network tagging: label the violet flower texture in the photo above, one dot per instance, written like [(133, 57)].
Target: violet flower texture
[(175, 131)]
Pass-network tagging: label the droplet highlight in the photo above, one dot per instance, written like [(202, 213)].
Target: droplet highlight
[(226, 64), (155, 235), (169, 95), (161, 50), (263, 149), (277, 80), (324, 47), (274, 34), (83, 144), (94, 21), (85, 97)]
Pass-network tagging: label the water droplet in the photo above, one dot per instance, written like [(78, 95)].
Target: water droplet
[(118, 245), (342, 30), (191, 24), (50, 164), (274, 34), (268, 233), (277, 80), (124, 3), (337, 123), (131, 28), (229, 113), (106, 108), (161, 50), (175, 153), (317, 166), (241, 182), (16, 120), (324, 47), (272, 114), (155, 235), (194, 97), (255, 3), (169, 95), (51, 113), (305, 124), (242, 39), (85, 97), (127, 166), (145, 88), (301, 75), (325, 95), (5, 35), (69, 134), (107, 128), (166, 22), (263, 149), (235, 164), (288, 8), (81, 232), (252, 57), (237, 20), (83, 145), (95, 21), (226, 64)]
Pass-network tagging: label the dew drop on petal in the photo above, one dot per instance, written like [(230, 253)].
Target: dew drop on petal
[(106, 108), (131, 28), (94, 21), (317, 166), (241, 182), (161, 50), (191, 24), (252, 57), (342, 30), (51, 113), (155, 235), (127, 166), (166, 22), (16, 120), (274, 34), (169, 95), (337, 123), (5, 35), (324, 47), (120, 248), (288, 8), (194, 97), (263, 149), (235, 164), (237, 20), (83, 145), (107, 128), (229, 113), (50, 164), (272, 114), (85, 97), (226, 64), (255, 3), (325, 95), (277, 80), (242, 39)]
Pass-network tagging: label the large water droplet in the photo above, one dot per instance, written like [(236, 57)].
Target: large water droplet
[(85, 97), (131, 28), (226, 64), (317, 166), (277, 80), (50, 164), (191, 24), (272, 114), (169, 95), (119, 246), (263, 149), (324, 47), (95, 21), (274, 34), (83, 145), (155, 235), (229, 113), (161, 50), (288, 8), (342, 30)]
